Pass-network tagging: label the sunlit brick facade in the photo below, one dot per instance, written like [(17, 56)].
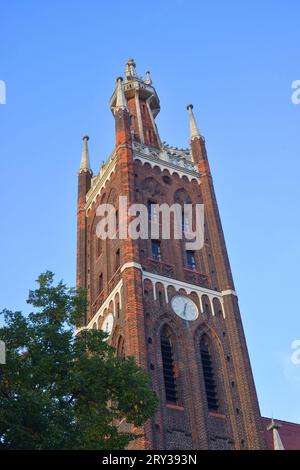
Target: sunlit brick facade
[(199, 367)]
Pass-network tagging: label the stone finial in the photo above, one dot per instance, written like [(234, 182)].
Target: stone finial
[(148, 78), (85, 160), (194, 131), (130, 69)]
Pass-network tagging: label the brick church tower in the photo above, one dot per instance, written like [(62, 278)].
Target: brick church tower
[(174, 310)]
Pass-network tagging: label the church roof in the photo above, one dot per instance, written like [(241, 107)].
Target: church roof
[(289, 433)]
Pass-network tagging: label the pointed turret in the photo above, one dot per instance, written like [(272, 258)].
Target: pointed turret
[(194, 131), (85, 160), (197, 141), (121, 102), (273, 426), (84, 185), (121, 114), (138, 98)]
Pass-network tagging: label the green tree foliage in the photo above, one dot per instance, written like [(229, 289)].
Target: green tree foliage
[(61, 391)]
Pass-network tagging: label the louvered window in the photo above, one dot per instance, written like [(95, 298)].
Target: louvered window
[(209, 376), (168, 369)]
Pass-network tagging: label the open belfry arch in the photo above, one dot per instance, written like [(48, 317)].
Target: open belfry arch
[(140, 291)]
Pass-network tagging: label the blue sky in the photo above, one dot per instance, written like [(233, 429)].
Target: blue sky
[(235, 61)]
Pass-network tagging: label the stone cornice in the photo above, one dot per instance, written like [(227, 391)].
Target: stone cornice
[(164, 160)]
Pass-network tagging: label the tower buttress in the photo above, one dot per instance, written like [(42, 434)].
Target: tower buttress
[(211, 209), (84, 184), (245, 381), (133, 322)]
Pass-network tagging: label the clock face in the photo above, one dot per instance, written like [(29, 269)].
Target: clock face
[(184, 307), (108, 324)]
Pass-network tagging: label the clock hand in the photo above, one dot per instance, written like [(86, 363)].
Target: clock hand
[(185, 309)]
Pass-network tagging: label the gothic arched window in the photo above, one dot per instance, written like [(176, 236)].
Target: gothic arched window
[(181, 196), (208, 374), (168, 366), (121, 347)]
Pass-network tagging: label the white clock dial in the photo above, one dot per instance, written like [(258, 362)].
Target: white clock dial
[(184, 307), (108, 324)]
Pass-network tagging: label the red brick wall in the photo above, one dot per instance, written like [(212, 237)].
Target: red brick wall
[(189, 425)]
